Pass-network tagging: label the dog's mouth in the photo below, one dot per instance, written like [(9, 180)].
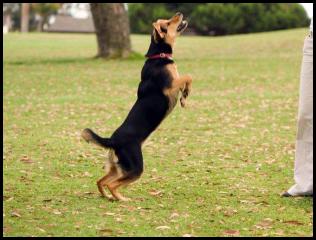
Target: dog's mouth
[(183, 25)]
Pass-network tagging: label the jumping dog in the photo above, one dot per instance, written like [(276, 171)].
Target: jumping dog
[(157, 95)]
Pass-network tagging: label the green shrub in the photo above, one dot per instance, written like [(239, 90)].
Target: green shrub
[(221, 18)]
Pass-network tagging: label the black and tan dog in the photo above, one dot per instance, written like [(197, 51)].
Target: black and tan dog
[(157, 96)]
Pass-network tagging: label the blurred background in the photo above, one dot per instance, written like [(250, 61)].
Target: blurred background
[(205, 18)]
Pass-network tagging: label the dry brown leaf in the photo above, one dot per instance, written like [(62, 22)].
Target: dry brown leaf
[(8, 199), (155, 192), (229, 213), (26, 159), (15, 214), (232, 232), (106, 231), (7, 229), (279, 232), (293, 222), (266, 223)]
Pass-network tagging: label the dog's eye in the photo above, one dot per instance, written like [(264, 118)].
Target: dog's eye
[(164, 30)]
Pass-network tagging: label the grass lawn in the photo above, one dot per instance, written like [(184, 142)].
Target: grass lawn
[(215, 168)]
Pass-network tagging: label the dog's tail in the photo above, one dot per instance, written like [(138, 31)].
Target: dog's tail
[(91, 136)]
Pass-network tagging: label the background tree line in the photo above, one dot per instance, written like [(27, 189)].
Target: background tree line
[(112, 21), (35, 14), (221, 18)]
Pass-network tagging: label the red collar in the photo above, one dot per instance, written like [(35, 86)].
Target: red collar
[(161, 55)]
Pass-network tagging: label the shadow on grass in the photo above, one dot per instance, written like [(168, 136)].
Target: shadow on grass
[(134, 56), (299, 202), (49, 61)]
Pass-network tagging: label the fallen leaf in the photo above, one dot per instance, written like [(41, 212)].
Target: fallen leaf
[(15, 214), (109, 214), (106, 231), (155, 192), (8, 199), (293, 222), (266, 223), (279, 232), (218, 208), (173, 215), (229, 213), (26, 159), (162, 228), (87, 174), (7, 229), (187, 235), (232, 232), (42, 230), (57, 212), (88, 193)]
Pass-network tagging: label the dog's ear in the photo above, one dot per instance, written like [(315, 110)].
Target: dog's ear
[(157, 30)]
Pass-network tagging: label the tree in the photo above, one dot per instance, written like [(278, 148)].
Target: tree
[(142, 15), (43, 11), (25, 11), (9, 11), (221, 18), (112, 29)]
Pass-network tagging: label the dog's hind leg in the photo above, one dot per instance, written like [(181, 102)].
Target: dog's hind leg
[(123, 181), (132, 159), (111, 174), (104, 181)]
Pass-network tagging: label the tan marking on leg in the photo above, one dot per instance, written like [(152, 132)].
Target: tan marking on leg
[(179, 83), (104, 180), (113, 186), (113, 172)]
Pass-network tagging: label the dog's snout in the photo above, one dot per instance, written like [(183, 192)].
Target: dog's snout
[(179, 14)]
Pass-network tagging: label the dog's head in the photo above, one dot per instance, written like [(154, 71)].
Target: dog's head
[(168, 30)]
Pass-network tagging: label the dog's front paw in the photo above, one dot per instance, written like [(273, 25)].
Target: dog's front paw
[(182, 101), (185, 92)]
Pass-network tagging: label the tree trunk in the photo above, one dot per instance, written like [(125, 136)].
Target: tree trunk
[(112, 29), (40, 24), (7, 23), (25, 17)]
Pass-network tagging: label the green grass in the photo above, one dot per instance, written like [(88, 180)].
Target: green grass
[(215, 166)]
